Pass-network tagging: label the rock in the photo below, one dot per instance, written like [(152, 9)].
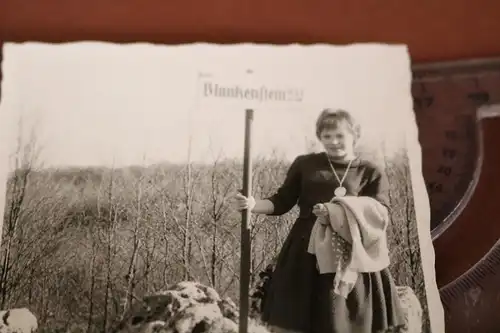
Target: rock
[(190, 307), (19, 320), (187, 307), (413, 310)]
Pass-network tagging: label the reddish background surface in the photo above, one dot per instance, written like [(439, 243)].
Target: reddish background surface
[(435, 30)]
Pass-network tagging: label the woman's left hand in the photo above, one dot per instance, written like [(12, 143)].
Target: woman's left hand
[(320, 210)]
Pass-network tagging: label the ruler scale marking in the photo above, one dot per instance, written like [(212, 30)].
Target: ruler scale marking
[(446, 101)]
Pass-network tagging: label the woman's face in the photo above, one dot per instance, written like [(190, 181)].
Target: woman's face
[(338, 142)]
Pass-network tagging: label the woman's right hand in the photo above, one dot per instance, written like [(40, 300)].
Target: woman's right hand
[(240, 202)]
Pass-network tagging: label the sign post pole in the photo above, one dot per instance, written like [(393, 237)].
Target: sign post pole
[(245, 258)]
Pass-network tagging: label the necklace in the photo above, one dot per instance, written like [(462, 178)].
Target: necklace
[(340, 191)]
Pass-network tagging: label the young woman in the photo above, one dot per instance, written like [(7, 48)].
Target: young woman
[(300, 299)]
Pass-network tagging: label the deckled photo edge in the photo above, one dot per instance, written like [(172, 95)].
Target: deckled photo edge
[(208, 46), (422, 208), (422, 212), (6, 131)]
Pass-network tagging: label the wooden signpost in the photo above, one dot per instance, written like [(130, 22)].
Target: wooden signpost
[(246, 243), (246, 214)]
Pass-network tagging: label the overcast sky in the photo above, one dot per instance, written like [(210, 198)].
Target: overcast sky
[(95, 103)]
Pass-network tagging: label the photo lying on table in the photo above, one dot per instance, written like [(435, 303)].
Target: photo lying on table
[(130, 173)]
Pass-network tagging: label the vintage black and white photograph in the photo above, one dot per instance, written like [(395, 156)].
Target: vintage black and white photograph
[(122, 188)]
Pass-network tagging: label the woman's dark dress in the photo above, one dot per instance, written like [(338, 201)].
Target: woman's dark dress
[(299, 298)]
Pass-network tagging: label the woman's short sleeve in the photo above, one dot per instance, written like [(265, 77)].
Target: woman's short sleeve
[(285, 198)]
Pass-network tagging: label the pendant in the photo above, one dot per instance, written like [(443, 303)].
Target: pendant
[(340, 191)]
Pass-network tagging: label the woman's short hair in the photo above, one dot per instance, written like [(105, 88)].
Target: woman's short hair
[(330, 119)]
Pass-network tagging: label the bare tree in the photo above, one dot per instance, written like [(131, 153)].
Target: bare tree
[(188, 206), (25, 158), (110, 232), (111, 223), (138, 218)]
